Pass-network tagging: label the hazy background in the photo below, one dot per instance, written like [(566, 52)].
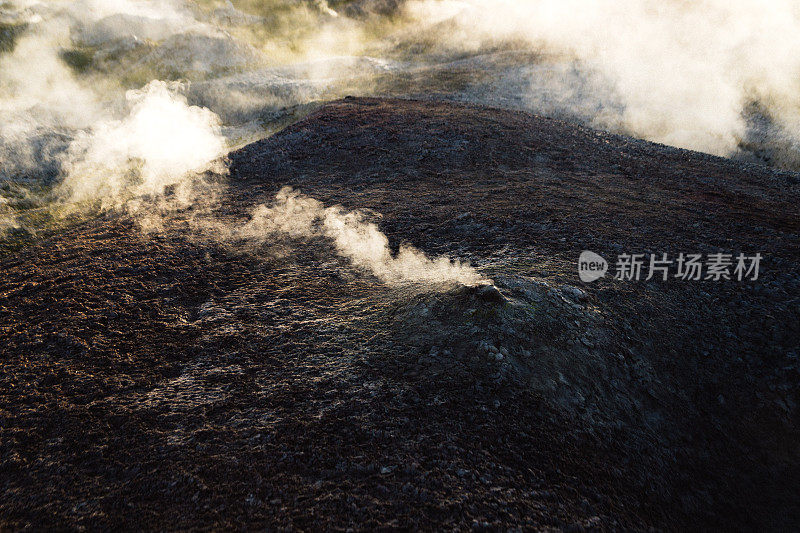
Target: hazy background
[(102, 101)]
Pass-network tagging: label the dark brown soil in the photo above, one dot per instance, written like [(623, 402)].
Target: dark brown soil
[(172, 381)]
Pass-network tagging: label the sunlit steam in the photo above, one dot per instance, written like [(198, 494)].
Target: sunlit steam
[(681, 73), (296, 215), (718, 76), (159, 143)]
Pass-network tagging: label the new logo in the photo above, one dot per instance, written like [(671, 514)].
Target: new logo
[(591, 266)]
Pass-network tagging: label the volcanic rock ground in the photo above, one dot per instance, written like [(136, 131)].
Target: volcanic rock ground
[(170, 380)]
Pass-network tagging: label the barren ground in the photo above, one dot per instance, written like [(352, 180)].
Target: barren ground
[(168, 381)]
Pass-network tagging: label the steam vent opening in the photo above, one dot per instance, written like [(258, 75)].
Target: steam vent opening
[(379, 265)]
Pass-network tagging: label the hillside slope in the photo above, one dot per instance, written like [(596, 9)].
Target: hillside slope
[(174, 379)]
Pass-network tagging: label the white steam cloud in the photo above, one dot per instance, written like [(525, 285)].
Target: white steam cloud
[(161, 141), (713, 75), (99, 141), (677, 72), (298, 216)]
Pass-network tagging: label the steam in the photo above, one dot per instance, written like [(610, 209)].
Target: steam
[(98, 141), (298, 216), (680, 73), (40, 101), (717, 76), (159, 144)]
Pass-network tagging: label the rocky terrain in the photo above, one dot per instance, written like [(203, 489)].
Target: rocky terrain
[(174, 380)]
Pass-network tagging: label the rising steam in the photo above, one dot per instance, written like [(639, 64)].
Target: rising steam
[(119, 147), (160, 143), (717, 76), (298, 216), (99, 141), (682, 73)]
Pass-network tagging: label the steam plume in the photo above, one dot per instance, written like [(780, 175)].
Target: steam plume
[(162, 141), (296, 215)]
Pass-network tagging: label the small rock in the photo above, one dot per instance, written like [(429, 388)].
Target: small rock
[(490, 293), (574, 293)]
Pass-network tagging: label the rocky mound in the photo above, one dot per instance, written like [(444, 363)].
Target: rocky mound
[(173, 380)]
